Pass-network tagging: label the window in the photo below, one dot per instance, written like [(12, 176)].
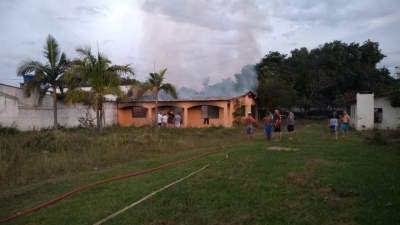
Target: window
[(213, 112), (139, 112), (378, 115), (209, 111), (242, 110), (253, 110)]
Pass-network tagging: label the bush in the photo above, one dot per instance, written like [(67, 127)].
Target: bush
[(8, 130), (377, 138)]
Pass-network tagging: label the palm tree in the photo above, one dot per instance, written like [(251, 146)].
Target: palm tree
[(97, 73), (155, 84), (46, 76)]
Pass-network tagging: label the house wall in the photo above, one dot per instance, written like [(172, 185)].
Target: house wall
[(25, 114), (195, 120), (8, 110), (364, 118), (191, 112), (391, 115)]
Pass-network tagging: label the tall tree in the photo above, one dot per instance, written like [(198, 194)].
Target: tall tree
[(102, 78), (47, 76), (155, 83), (327, 76)]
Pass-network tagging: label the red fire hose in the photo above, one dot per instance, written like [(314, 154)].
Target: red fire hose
[(100, 182)]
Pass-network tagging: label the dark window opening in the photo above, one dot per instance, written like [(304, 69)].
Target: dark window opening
[(139, 112), (253, 110), (208, 111), (242, 110), (378, 115)]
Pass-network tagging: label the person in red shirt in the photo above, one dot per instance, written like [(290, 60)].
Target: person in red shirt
[(277, 121), (249, 123)]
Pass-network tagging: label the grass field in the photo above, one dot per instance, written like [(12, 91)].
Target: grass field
[(318, 180)]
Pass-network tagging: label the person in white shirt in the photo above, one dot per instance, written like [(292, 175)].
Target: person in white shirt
[(333, 124), (159, 119), (178, 120), (164, 120)]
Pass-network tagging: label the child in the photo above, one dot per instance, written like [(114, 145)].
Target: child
[(345, 120), (268, 126), (333, 124), (290, 124), (277, 123)]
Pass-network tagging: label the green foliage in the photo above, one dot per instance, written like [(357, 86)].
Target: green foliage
[(324, 77), (97, 72), (48, 76), (376, 138), (154, 84), (324, 182), (11, 130), (274, 92)]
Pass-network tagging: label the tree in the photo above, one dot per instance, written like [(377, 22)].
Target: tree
[(99, 75), (155, 84), (324, 77), (275, 93), (48, 76)]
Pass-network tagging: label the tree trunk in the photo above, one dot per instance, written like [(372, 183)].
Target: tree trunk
[(55, 121), (99, 115), (156, 109)]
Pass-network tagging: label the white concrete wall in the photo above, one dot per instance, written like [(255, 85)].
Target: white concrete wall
[(353, 116), (364, 118), (8, 110), (23, 113), (391, 115)]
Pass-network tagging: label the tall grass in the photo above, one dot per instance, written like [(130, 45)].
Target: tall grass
[(27, 157)]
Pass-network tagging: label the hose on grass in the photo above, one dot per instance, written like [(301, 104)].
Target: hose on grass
[(149, 196), (108, 180)]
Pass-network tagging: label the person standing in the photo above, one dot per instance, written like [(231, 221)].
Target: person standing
[(171, 118), (333, 125), (164, 120), (178, 120), (290, 125), (204, 115), (277, 123), (249, 123), (159, 119), (268, 126), (345, 120)]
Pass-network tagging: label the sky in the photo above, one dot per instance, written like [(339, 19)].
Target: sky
[(194, 39)]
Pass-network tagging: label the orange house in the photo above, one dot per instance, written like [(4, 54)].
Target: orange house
[(220, 111)]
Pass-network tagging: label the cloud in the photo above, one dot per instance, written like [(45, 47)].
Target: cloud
[(214, 14), (193, 39)]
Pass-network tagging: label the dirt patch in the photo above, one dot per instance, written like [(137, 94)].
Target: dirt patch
[(282, 149), (306, 179), (333, 195), (302, 178)]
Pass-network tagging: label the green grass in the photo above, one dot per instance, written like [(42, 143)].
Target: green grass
[(349, 181)]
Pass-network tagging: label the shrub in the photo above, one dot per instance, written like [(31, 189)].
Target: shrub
[(8, 130), (377, 138)]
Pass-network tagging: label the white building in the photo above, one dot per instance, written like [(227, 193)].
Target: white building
[(25, 113), (370, 112)]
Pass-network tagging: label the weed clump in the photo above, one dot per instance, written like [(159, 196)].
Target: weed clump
[(376, 138)]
